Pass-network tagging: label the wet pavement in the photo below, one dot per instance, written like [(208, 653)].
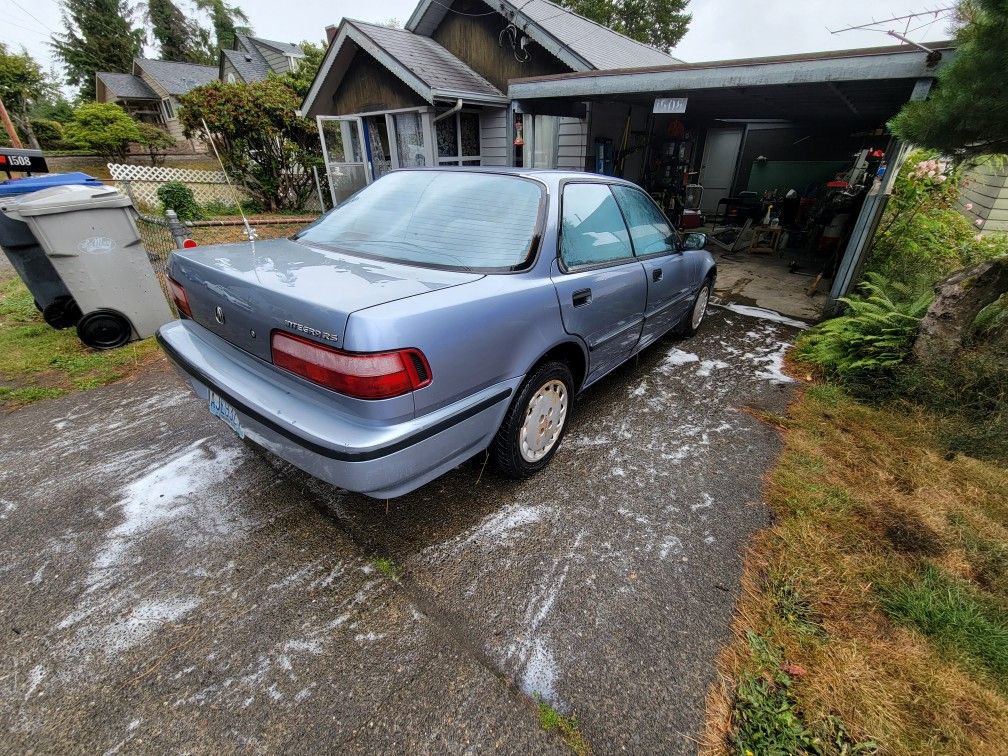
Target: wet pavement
[(164, 587)]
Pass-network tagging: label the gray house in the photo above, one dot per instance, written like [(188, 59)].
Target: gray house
[(435, 93), (150, 93), (254, 58)]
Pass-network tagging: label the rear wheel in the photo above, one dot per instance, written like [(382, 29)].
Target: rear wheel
[(104, 329), (535, 423)]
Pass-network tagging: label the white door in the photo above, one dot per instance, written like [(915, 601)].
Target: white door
[(345, 155), (720, 157)]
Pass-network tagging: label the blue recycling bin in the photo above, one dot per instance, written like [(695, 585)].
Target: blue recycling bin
[(51, 295)]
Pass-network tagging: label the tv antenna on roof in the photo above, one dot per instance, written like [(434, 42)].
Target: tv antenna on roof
[(909, 25)]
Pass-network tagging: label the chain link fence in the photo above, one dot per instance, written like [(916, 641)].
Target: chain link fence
[(162, 235)]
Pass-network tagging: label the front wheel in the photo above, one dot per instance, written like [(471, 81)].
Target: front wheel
[(535, 423), (694, 316)]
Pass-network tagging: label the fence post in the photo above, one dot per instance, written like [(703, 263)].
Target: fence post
[(177, 228), (318, 188)]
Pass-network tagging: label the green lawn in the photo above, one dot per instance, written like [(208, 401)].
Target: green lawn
[(38, 362)]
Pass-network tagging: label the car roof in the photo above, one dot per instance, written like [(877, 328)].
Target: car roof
[(545, 175)]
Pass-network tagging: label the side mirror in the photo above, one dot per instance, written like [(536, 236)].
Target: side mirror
[(695, 240)]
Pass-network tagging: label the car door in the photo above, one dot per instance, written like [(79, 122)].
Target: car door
[(600, 284), (668, 271)]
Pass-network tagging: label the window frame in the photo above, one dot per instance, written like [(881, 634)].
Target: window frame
[(169, 109), (458, 160), (676, 250), (564, 267)]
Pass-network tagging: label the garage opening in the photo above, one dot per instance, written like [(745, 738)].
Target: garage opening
[(785, 163)]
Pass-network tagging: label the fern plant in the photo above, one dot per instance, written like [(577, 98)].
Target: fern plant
[(874, 336)]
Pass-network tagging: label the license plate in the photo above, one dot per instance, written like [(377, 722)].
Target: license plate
[(223, 410)]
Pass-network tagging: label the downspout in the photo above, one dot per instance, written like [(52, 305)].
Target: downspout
[(455, 109)]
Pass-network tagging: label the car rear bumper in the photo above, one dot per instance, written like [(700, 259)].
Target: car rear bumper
[(297, 423)]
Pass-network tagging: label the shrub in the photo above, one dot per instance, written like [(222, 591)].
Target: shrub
[(922, 236), (48, 132), (155, 140), (874, 336), (178, 197), (103, 127)]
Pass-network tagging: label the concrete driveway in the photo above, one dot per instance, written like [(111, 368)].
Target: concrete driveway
[(163, 587)]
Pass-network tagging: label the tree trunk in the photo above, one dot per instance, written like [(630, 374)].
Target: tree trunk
[(959, 297)]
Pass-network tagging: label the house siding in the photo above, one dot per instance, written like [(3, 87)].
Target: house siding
[(368, 86), (275, 60), (228, 68), (986, 188), (494, 140), (475, 40), (572, 142)]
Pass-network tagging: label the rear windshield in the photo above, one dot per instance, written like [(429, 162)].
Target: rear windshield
[(471, 221)]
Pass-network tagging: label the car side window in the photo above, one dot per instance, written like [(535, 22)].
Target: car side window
[(592, 227), (649, 228)]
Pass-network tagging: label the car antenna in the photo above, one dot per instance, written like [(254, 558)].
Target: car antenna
[(234, 193)]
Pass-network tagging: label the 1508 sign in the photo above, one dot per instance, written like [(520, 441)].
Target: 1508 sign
[(24, 161)]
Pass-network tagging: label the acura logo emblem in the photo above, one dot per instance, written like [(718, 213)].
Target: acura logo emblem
[(219, 314)]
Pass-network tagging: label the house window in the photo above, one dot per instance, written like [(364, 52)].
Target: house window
[(292, 63), (458, 139), (169, 109), (231, 78)]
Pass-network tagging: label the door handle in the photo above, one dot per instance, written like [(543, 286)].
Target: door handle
[(581, 297), (656, 274)]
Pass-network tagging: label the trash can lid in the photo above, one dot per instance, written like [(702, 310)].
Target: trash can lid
[(34, 183), (67, 199)]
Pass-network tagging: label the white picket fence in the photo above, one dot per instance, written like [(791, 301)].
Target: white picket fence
[(141, 182)]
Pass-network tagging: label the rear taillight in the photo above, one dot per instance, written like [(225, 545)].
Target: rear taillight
[(376, 375), (179, 297)]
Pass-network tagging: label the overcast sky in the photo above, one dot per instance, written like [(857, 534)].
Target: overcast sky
[(720, 28)]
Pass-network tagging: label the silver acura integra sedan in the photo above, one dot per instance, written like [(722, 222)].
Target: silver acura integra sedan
[(433, 315)]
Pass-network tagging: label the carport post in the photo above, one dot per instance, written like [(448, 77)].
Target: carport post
[(178, 229)]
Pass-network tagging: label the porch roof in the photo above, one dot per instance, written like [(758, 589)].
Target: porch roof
[(419, 62)]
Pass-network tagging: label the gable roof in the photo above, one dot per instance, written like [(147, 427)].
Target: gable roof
[(419, 62), (580, 43), (127, 86), (176, 78)]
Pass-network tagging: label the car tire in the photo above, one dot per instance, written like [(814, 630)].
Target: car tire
[(524, 444), (694, 316)]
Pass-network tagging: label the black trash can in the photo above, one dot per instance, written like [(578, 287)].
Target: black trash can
[(51, 295)]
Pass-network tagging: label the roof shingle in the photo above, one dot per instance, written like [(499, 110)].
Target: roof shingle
[(177, 78), (428, 61), (127, 86), (599, 45)]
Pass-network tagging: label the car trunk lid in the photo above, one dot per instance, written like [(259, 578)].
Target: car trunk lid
[(244, 291)]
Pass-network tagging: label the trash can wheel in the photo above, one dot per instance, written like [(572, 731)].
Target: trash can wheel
[(104, 329), (62, 312)]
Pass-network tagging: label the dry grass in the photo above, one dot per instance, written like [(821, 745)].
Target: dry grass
[(866, 503)]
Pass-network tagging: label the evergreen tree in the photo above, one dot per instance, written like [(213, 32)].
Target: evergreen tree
[(226, 20), (177, 37), (967, 114), (99, 36), (659, 23)]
